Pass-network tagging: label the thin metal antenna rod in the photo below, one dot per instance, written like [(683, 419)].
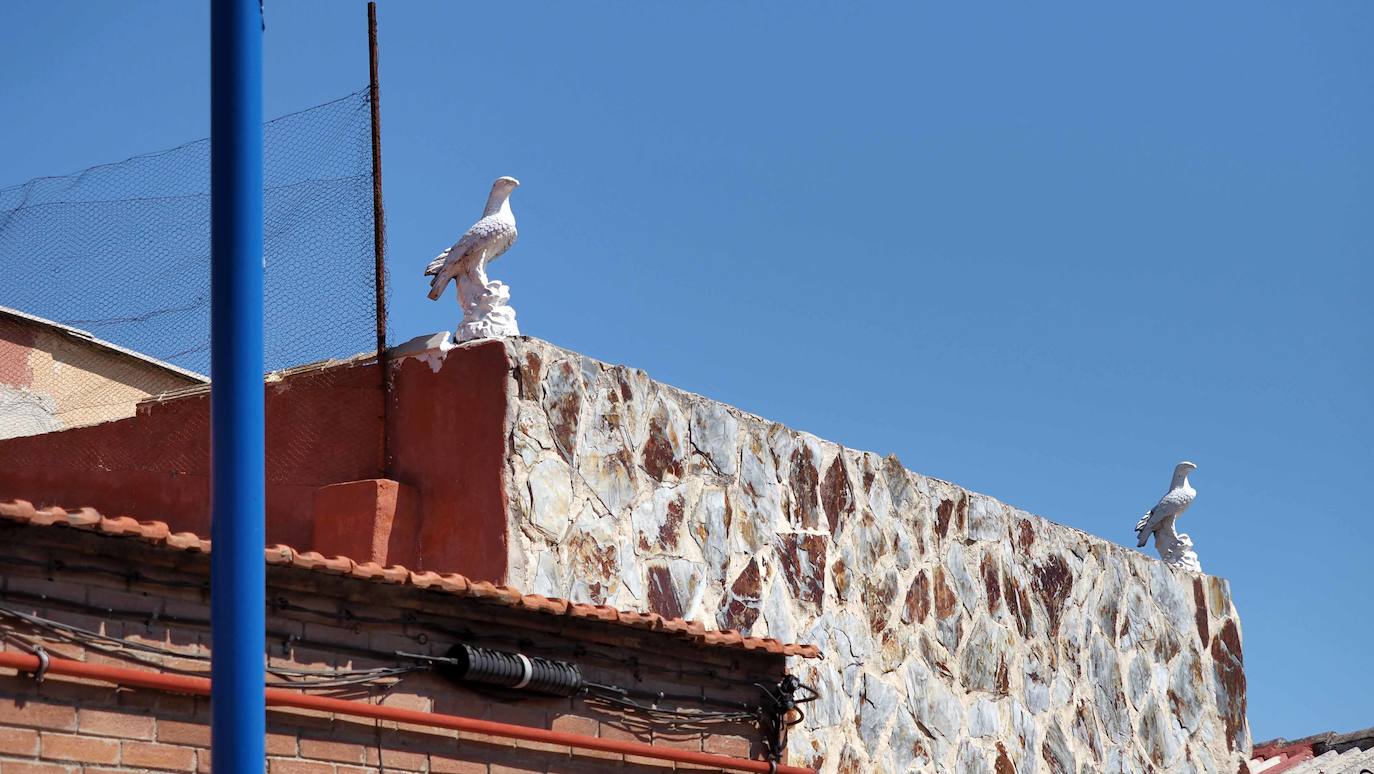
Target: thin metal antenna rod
[(379, 232)]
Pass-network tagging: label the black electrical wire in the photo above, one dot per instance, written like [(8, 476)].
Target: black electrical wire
[(576, 651), (774, 717), (404, 616), (621, 698), (614, 695), (291, 676)]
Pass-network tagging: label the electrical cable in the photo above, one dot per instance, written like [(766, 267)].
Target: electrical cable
[(290, 676), (577, 652), (489, 669), (405, 616)]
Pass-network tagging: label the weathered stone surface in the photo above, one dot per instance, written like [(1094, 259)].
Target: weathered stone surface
[(592, 550), (982, 719), (1156, 736), (1053, 581), (1085, 732), (802, 559), (1187, 689), (658, 522), (759, 483), (743, 600), (803, 480), (777, 613), (907, 749), (1228, 668), (878, 597), (986, 519), (961, 634), (1105, 674), (1003, 764), (1200, 611), (609, 478), (876, 709), (933, 705), (711, 524), (1055, 752), (665, 448), (917, 605), (837, 498), (983, 666), (949, 621), (972, 759), (562, 400), (1036, 685), (551, 497), (715, 433)]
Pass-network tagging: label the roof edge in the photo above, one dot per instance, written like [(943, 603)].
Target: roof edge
[(90, 338), (159, 534)]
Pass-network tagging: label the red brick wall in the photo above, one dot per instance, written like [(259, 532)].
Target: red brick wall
[(120, 587)]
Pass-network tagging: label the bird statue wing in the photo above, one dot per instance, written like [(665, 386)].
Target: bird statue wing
[(488, 238), (452, 254), (1167, 509)]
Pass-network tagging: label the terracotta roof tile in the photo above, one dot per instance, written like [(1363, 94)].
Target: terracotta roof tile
[(1328, 751), (158, 533), (187, 541)]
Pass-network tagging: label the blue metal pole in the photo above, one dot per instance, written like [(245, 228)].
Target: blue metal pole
[(238, 713)]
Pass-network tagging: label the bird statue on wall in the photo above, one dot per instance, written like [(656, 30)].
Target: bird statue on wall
[(486, 313), (1175, 549)]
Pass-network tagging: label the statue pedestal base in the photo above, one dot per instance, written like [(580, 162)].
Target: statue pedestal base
[(1178, 553), (487, 313)]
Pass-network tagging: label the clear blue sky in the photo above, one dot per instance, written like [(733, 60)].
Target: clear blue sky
[(1044, 253)]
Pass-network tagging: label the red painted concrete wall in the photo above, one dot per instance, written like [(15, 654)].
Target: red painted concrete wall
[(448, 431), (324, 427)]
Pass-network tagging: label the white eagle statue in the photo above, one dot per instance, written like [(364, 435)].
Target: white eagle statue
[(486, 312), (1174, 548)]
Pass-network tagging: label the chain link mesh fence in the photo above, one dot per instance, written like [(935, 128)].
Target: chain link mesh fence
[(105, 291)]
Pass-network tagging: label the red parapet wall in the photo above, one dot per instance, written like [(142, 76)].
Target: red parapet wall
[(448, 424), (325, 427)]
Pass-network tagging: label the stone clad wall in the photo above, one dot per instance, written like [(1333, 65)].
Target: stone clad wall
[(960, 634)]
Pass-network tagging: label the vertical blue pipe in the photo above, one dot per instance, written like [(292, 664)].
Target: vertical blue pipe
[(238, 715)]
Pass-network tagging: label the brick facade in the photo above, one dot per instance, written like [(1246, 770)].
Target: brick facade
[(136, 593)]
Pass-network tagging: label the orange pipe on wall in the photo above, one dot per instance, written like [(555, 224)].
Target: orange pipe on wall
[(279, 697)]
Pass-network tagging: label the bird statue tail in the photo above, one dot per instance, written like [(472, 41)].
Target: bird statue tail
[(437, 286), (1142, 532), (435, 269)]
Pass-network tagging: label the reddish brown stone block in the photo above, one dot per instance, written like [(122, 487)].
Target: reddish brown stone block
[(802, 559), (917, 605)]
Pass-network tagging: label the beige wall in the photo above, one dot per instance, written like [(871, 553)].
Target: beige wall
[(52, 381)]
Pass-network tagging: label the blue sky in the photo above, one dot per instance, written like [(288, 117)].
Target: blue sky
[(1042, 252)]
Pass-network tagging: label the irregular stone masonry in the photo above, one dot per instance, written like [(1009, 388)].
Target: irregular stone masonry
[(960, 633)]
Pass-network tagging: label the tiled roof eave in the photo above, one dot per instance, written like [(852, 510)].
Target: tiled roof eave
[(159, 534)]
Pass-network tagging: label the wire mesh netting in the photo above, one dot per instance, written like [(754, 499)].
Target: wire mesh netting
[(105, 276)]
